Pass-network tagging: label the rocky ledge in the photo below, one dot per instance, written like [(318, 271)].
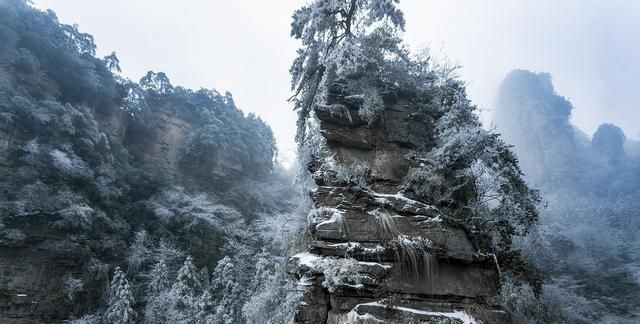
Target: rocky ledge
[(377, 255)]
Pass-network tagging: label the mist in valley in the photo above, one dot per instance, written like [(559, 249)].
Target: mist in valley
[(587, 238), (351, 177)]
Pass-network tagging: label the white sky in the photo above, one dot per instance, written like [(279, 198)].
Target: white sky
[(591, 47)]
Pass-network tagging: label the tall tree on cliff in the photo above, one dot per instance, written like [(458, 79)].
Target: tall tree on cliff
[(342, 39), (355, 47)]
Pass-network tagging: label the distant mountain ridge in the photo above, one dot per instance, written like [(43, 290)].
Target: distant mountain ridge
[(587, 241)]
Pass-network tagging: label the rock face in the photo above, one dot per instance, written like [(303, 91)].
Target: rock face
[(34, 271), (548, 149), (376, 254)]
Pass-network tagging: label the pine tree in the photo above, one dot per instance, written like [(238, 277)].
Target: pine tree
[(112, 62), (206, 308), (187, 286), (156, 82), (204, 277), (345, 40), (159, 278), (228, 292), (121, 301)]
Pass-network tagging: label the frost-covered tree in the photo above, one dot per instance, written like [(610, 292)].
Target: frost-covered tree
[(82, 42), (162, 307), (159, 278), (206, 309), (273, 296), (227, 291), (187, 285), (139, 252), (71, 287), (192, 211), (112, 62), (343, 39), (474, 175), (120, 310), (135, 102), (168, 253), (179, 303), (156, 82), (72, 175), (204, 277)]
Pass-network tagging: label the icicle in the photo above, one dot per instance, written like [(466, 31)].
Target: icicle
[(386, 221), (495, 259), (415, 260)]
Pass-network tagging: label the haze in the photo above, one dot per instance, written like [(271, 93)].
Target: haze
[(590, 48)]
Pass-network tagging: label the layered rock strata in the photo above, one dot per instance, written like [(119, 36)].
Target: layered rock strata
[(376, 254)]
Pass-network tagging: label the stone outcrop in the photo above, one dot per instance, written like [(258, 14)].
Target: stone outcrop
[(376, 254), (35, 270)]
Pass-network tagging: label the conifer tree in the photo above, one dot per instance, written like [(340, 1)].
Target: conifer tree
[(159, 278), (204, 277), (187, 286), (156, 82), (121, 301), (344, 40), (206, 308), (228, 292)]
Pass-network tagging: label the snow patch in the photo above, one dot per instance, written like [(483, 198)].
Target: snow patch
[(385, 220), (384, 198), (375, 264), (337, 217), (354, 318), (409, 203), (353, 246), (457, 314), (436, 219), (305, 281), (307, 259)]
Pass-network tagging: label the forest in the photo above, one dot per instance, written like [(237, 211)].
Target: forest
[(586, 241), (140, 197), (127, 201)]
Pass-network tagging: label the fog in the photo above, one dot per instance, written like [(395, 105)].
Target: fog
[(588, 46), (587, 233), (148, 174), (244, 47)]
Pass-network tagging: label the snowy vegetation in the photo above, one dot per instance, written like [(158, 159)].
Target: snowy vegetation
[(343, 39), (587, 238), (195, 235), (205, 235)]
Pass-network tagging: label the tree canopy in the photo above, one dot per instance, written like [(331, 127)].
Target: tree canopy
[(342, 39)]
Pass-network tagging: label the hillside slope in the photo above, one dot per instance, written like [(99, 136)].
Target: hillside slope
[(97, 171)]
